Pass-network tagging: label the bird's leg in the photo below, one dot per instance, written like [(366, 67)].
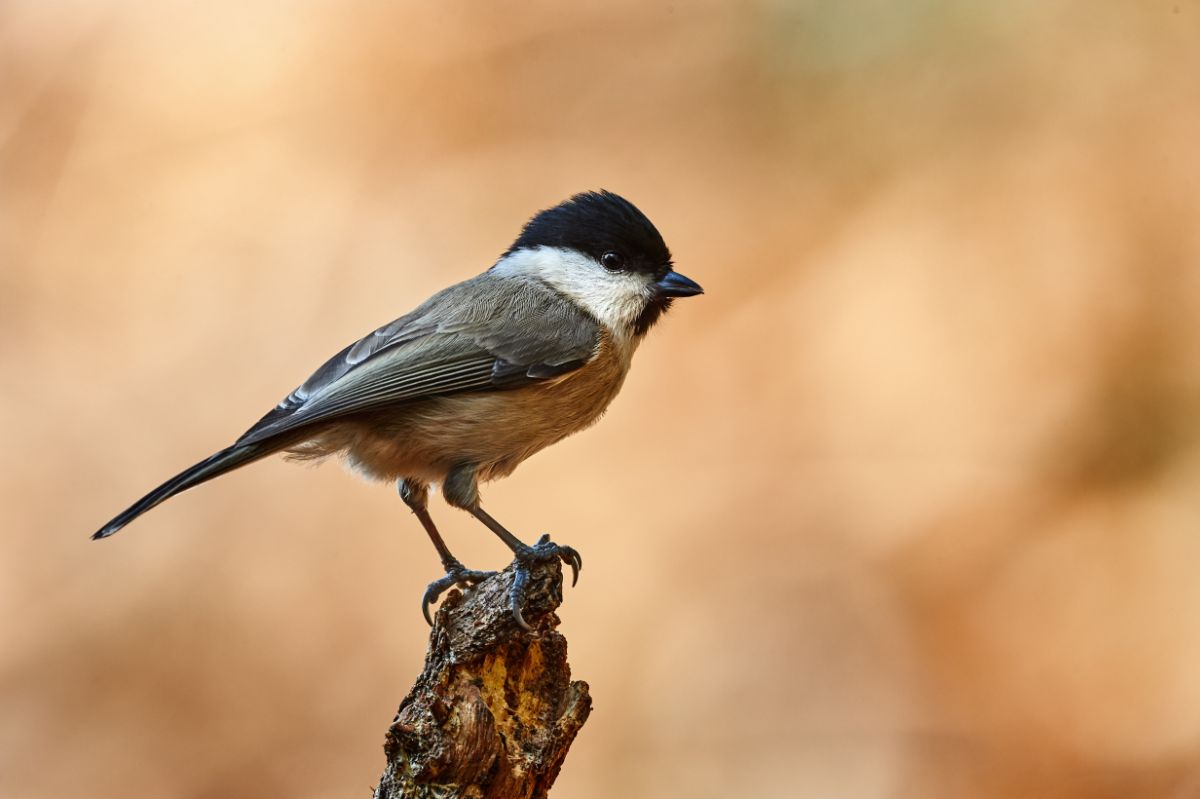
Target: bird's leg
[(461, 490), (416, 496)]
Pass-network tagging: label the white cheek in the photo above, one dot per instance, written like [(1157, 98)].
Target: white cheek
[(614, 298)]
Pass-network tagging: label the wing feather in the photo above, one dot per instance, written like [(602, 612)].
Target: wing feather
[(521, 332)]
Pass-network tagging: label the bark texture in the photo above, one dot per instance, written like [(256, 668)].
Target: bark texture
[(494, 710)]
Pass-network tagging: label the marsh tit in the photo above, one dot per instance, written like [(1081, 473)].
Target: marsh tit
[(479, 377)]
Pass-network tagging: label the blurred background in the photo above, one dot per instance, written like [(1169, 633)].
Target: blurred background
[(905, 506)]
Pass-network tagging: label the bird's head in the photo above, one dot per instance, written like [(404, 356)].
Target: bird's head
[(603, 253)]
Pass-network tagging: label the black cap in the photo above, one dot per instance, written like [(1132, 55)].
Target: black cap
[(597, 223)]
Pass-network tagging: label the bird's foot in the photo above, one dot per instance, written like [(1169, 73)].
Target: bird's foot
[(456, 574), (543, 551)]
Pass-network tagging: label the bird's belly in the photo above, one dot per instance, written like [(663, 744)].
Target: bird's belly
[(493, 430)]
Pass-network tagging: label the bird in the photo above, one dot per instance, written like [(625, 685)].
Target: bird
[(477, 378)]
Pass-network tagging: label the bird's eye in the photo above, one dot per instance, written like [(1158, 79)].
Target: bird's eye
[(613, 261)]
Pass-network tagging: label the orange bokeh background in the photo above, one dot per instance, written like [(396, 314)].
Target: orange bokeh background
[(905, 506)]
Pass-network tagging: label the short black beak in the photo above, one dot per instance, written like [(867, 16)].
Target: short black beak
[(674, 284)]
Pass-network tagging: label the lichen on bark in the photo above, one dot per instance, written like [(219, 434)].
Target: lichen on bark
[(494, 710)]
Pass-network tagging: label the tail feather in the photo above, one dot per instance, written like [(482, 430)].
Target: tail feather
[(224, 461)]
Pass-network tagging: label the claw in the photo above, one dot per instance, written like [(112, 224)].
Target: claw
[(432, 592), (544, 550), (456, 574), (517, 593), (571, 558)]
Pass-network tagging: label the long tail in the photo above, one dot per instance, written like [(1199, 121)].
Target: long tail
[(224, 461)]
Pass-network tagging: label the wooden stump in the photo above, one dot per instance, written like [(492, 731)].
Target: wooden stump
[(494, 711)]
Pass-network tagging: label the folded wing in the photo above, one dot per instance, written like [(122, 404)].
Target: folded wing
[(488, 333)]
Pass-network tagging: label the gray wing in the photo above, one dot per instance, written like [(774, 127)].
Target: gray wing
[(490, 332)]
